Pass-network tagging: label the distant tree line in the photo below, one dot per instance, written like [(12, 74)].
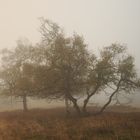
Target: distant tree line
[(62, 68)]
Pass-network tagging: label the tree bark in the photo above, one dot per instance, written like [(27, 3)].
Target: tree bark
[(67, 106), (110, 98), (75, 105), (25, 108), (84, 108)]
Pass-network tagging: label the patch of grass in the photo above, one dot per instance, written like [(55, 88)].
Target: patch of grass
[(52, 124)]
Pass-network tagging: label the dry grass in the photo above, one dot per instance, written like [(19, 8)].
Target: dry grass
[(51, 124)]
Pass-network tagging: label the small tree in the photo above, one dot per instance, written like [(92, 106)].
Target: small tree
[(114, 71), (14, 77)]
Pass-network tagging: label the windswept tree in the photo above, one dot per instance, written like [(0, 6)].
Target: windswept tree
[(78, 72), (64, 70), (114, 73), (63, 64)]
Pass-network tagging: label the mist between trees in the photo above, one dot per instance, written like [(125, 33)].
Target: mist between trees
[(62, 68)]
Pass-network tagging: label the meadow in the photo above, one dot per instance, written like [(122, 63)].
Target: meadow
[(53, 124)]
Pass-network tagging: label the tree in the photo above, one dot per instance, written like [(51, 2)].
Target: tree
[(78, 72), (65, 60), (66, 64), (62, 68), (15, 79), (115, 72)]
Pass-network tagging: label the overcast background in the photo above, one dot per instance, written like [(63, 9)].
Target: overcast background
[(101, 22)]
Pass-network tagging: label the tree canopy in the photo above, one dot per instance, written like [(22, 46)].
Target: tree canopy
[(63, 68)]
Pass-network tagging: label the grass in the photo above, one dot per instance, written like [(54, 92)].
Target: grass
[(52, 124)]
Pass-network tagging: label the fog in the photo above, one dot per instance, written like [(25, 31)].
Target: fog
[(101, 22), (8, 104)]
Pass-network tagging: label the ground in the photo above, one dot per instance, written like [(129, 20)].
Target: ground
[(52, 124)]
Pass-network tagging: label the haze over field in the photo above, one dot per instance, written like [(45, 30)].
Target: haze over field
[(101, 22)]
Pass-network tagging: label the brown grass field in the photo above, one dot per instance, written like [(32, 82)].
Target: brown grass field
[(52, 124)]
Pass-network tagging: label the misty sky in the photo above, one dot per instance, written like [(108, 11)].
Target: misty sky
[(101, 22)]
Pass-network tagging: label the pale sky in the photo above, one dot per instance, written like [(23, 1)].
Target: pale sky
[(101, 22)]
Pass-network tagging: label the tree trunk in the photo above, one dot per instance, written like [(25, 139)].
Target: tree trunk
[(67, 106), (109, 101), (70, 97), (77, 108), (25, 108), (75, 105), (84, 109), (110, 98)]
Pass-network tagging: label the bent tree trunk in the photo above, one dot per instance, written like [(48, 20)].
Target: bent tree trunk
[(25, 108), (109, 101), (75, 105), (110, 98), (84, 109), (67, 106), (77, 108)]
